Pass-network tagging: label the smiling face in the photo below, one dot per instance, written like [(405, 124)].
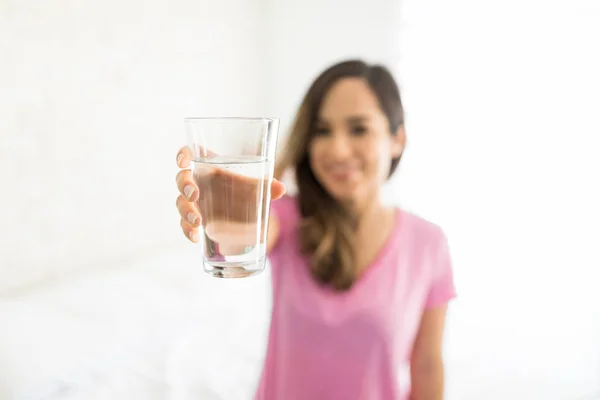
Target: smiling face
[(352, 148)]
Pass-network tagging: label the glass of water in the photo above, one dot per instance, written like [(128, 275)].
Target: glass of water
[(232, 165)]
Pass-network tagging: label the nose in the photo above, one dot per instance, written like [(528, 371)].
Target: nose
[(340, 147)]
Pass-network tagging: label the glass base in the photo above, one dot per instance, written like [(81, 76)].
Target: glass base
[(234, 269)]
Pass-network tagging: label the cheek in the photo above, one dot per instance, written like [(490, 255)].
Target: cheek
[(377, 159)]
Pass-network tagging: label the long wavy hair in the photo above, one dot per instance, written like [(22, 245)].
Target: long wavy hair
[(327, 229)]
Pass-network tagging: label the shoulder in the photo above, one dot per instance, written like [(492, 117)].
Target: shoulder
[(429, 244), (423, 231), (428, 240)]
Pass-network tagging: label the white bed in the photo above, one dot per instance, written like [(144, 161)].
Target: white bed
[(129, 332), (159, 328)]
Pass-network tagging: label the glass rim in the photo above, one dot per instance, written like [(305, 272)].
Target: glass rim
[(230, 119)]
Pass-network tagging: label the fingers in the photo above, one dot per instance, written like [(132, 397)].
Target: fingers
[(232, 237), (186, 201), (189, 231), (188, 211), (186, 185), (204, 152), (184, 156), (277, 189), (231, 232)]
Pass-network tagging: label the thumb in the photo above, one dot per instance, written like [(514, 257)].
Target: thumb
[(277, 189)]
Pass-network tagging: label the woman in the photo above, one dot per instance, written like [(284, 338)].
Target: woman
[(359, 288)]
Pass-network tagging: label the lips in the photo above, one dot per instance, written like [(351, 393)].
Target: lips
[(341, 171)]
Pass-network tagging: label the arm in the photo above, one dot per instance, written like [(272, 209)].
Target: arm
[(283, 219), (426, 366), (273, 233)]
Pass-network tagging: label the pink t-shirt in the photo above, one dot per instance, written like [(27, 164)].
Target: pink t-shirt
[(355, 344)]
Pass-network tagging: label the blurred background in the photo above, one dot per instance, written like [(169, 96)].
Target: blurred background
[(101, 296)]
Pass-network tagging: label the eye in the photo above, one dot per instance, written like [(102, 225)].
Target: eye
[(358, 129), (321, 131)]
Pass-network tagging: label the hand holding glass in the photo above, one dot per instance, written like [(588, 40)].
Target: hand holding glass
[(232, 166)]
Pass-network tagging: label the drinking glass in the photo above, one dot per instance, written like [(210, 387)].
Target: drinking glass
[(232, 165)]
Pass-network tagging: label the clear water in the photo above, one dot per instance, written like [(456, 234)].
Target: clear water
[(234, 204)]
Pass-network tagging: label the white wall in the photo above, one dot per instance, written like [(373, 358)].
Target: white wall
[(502, 119), (92, 97), (305, 37)]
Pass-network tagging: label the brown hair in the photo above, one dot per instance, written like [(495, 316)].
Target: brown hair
[(327, 229)]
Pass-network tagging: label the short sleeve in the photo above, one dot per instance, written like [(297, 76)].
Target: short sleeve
[(442, 288)]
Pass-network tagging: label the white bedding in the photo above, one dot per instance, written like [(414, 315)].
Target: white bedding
[(128, 332), (159, 328)]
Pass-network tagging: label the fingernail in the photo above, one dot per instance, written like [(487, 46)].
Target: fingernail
[(179, 158), (193, 236), (192, 217), (188, 191)]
